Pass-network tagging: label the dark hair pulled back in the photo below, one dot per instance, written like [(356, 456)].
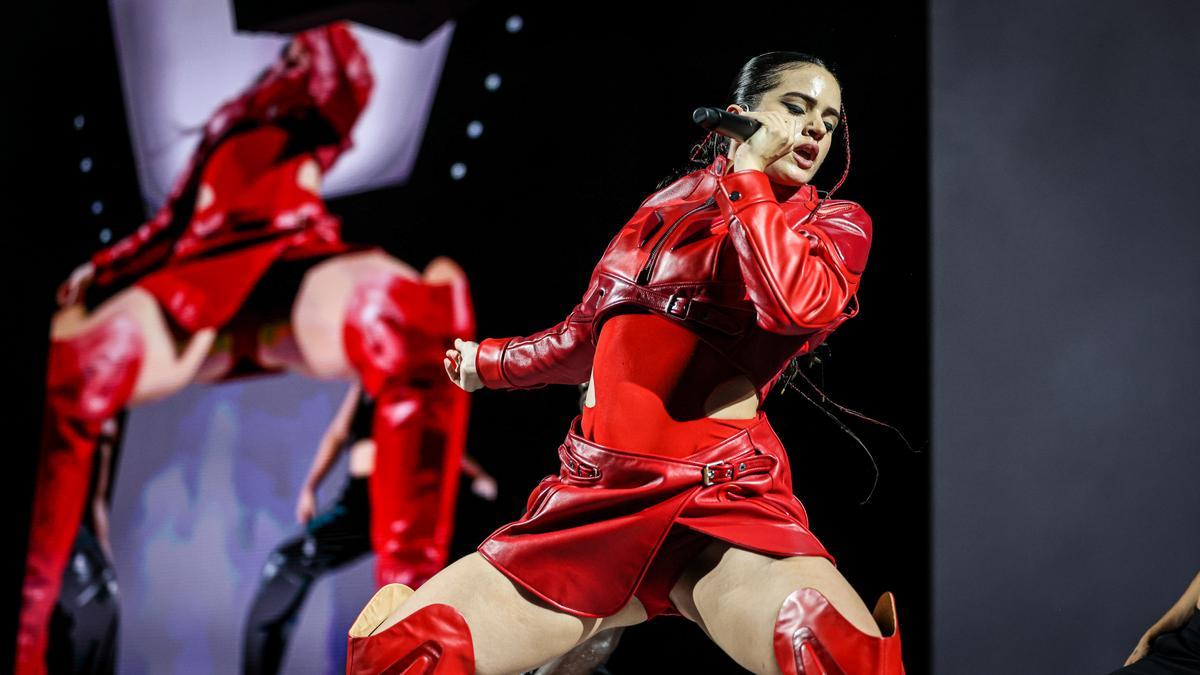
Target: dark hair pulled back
[(754, 79)]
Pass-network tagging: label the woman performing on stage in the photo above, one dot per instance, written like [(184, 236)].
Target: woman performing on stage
[(674, 493), (243, 270)]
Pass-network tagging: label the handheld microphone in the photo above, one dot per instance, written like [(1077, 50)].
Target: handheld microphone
[(726, 123)]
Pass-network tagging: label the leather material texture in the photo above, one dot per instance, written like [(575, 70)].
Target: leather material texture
[(590, 533), (251, 149), (759, 280), (813, 638), (89, 378), (396, 332), (651, 381), (433, 640)]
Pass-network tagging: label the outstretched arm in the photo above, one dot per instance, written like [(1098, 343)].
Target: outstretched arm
[(561, 354), (1178, 615), (140, 251), (327, 452)]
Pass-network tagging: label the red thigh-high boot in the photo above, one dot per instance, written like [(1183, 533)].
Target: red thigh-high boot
[(402, 487), (89, 378), (433, 640), (443, 434), (396, 333), (813, 638)]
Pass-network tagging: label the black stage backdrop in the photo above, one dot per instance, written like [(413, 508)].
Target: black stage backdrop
[(593, 110)]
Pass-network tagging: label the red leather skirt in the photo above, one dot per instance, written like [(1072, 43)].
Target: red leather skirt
[(614, 524)]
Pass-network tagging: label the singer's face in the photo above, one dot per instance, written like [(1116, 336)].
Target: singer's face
[(812, 95)]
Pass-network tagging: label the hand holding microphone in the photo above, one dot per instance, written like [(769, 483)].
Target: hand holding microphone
[(757, 138), (734, 126)]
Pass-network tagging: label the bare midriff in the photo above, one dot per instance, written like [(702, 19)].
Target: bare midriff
[(658, 389)]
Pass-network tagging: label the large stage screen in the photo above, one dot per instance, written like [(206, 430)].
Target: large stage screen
[(179, 60)]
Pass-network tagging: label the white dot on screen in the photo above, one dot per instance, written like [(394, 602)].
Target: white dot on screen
[(514, 23), (85, 164), (458, 170), (474, 129), (105, 235), (492, 82), (79, 122), (97, 207)]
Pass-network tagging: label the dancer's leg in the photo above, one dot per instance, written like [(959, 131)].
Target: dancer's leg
[(165, 365), (509, 630), (585, 658), (420, 426), (281, 593), (320, 308), (736, 596), (84, 635), (392, 329), (336, 537), (120, 354), (370, 316)]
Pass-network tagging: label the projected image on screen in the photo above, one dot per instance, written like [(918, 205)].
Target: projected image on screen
[(273, 369), (180, 60), (207, 486)]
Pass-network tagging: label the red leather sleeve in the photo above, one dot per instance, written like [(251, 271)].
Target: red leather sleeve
[(799, 279), (561, 354), (143, 249)]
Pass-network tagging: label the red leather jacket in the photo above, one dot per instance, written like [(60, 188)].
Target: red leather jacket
[(758, 280)]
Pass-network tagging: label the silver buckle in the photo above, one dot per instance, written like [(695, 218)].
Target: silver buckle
[(671, 305), (708, 472)]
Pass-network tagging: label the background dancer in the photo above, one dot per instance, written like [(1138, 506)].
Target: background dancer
[(332, 539), (83, 628), (1172, 645)]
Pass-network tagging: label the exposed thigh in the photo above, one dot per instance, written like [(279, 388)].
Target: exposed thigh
[(320, 308), (156, 374), (511, 631), (735, 595)]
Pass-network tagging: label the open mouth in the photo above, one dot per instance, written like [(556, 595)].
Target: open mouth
[(806, 154)]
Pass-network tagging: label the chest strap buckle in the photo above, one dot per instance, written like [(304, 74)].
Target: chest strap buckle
[(678, 305)]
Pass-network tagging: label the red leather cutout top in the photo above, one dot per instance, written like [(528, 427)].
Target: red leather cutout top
[(651, 377)]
